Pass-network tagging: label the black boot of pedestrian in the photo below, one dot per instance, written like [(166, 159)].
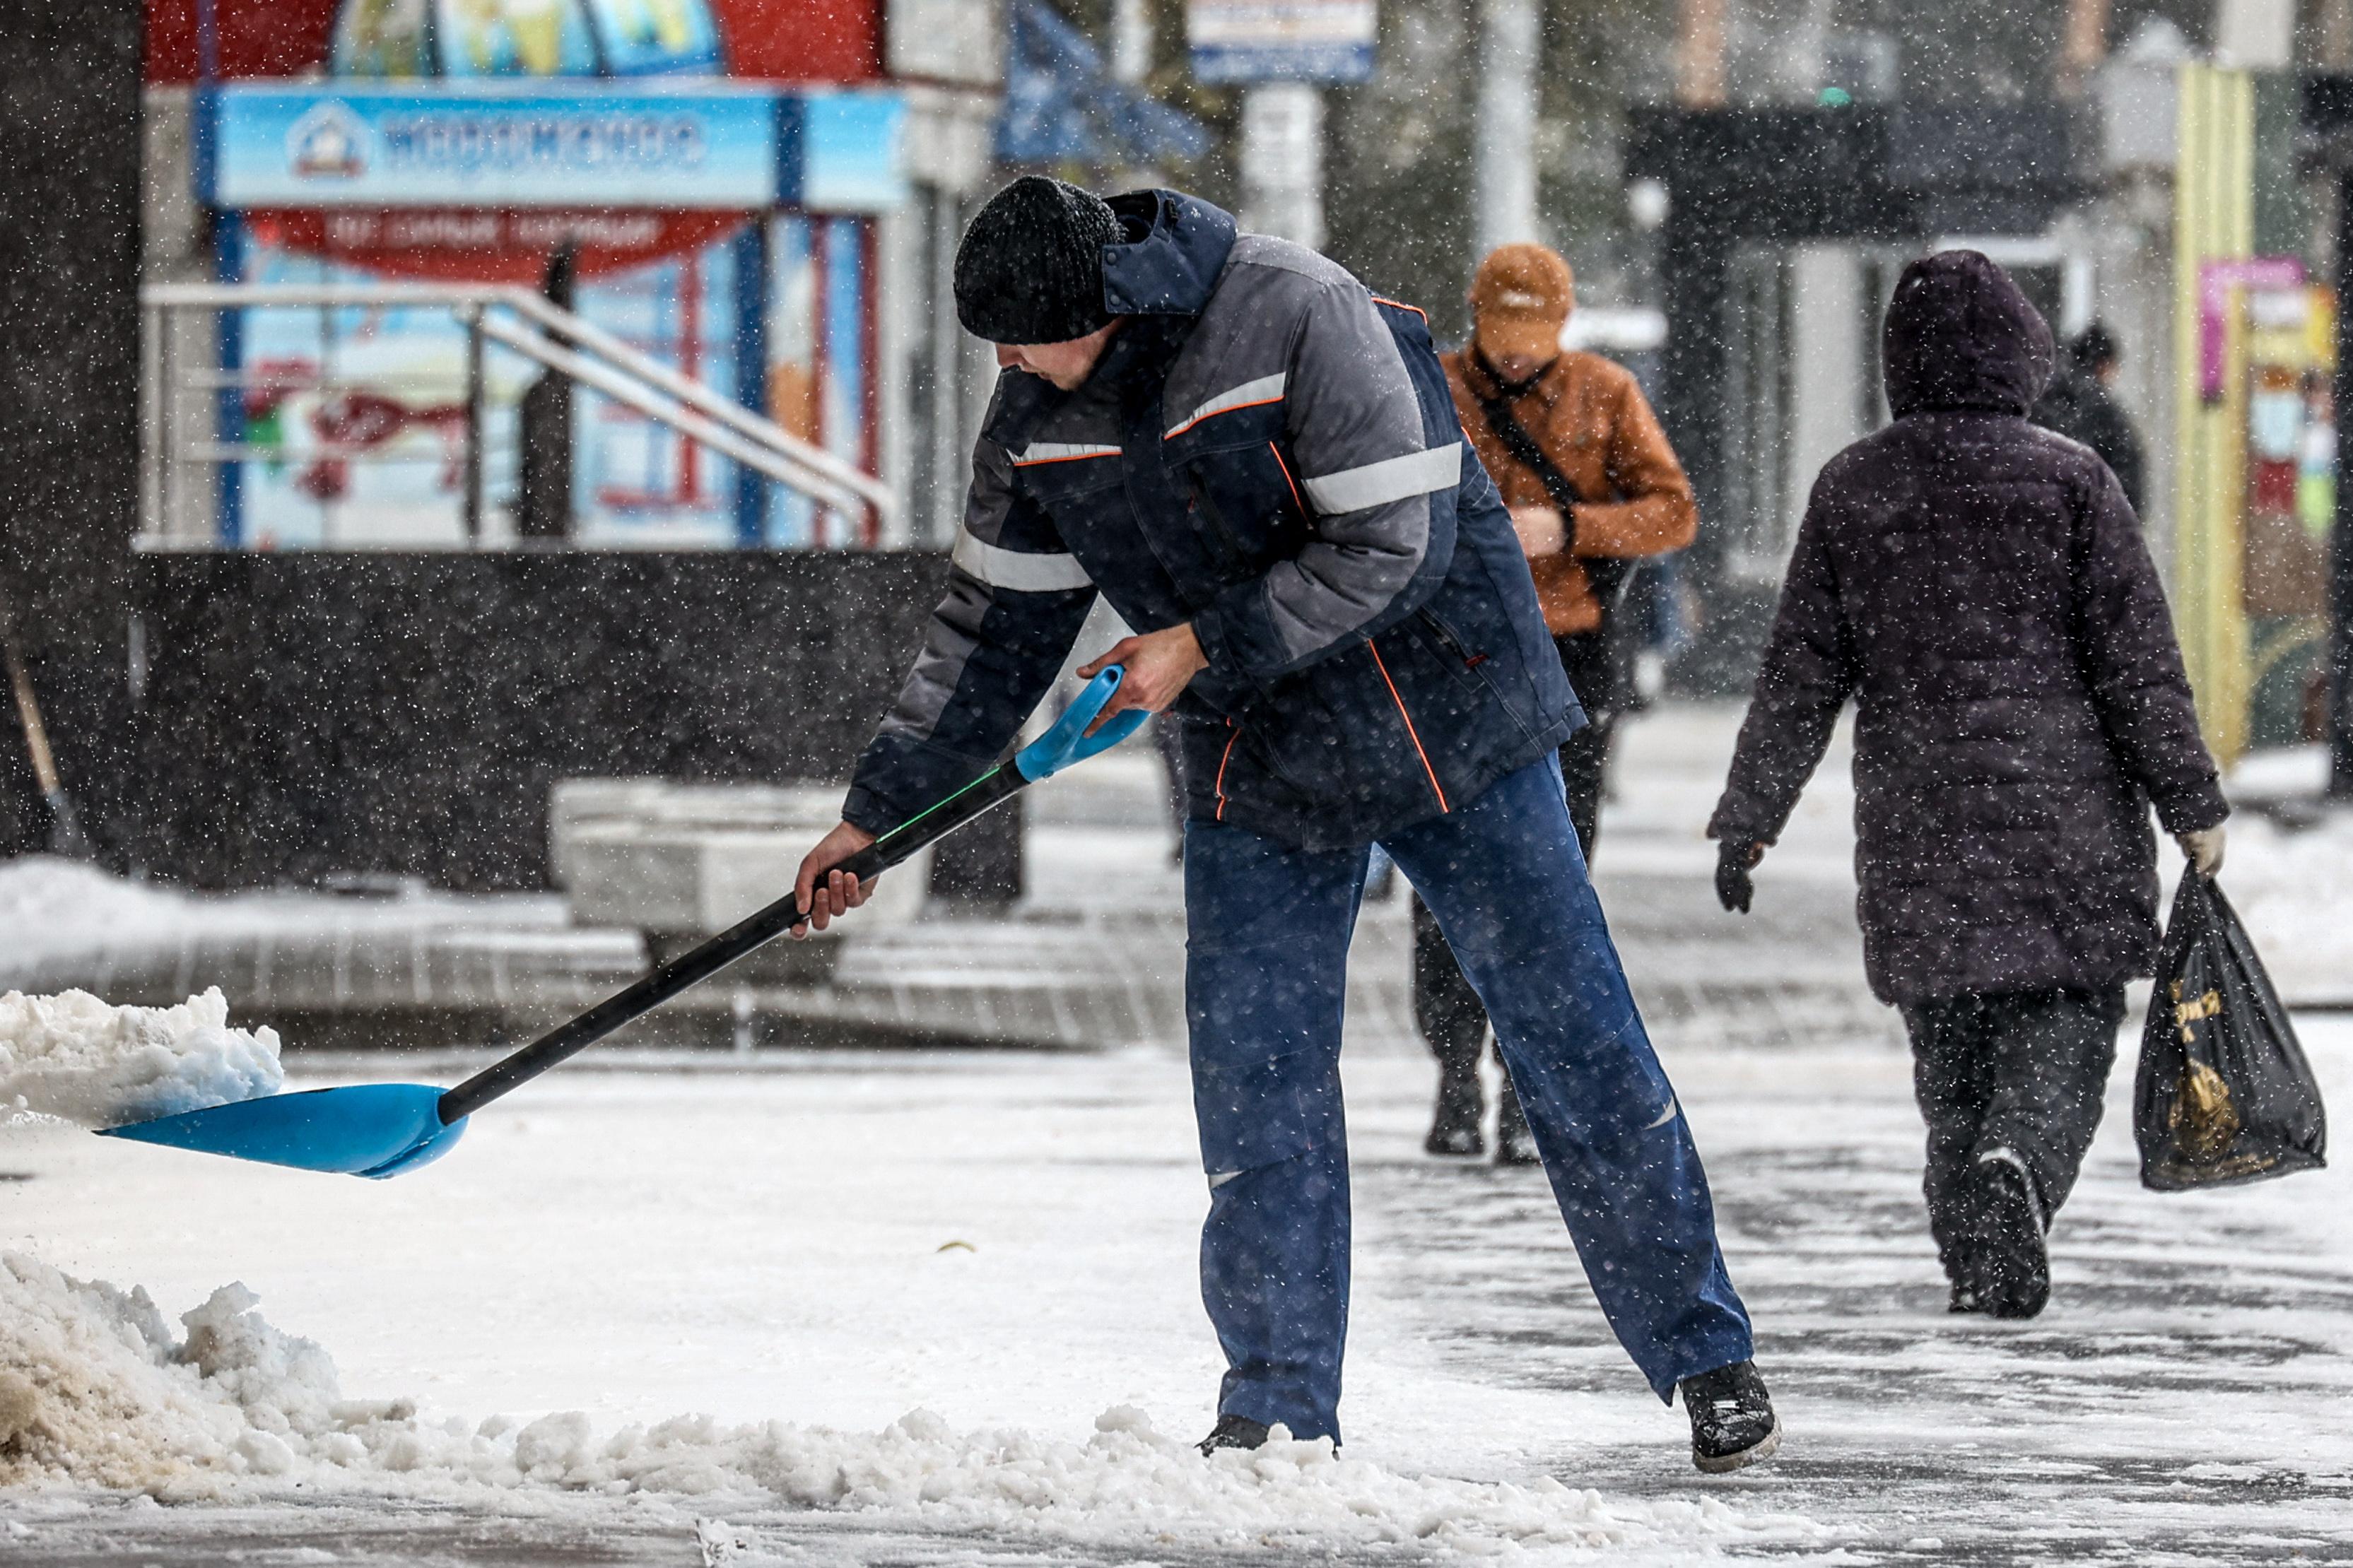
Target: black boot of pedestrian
[(1732, 1418), (1234, 1432), (1460, 1105), (2007, 1271), (1515, 1144)]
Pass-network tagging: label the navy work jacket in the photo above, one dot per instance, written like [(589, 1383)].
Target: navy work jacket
[(1269, 452)]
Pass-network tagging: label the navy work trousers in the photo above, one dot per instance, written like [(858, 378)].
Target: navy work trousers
[(1265, 983)]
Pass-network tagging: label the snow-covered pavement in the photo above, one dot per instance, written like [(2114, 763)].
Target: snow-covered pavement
[(939, 1306), (1007, 1242)]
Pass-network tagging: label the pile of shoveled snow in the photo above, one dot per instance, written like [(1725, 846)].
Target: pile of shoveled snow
[(75, 1056), (95, 1390)]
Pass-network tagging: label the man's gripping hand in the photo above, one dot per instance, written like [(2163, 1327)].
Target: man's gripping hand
[(839, 892), (1158, 666)]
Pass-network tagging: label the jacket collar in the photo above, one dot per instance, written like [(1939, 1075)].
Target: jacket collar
[(1167, 264), (1128, 376), (1487, 382)]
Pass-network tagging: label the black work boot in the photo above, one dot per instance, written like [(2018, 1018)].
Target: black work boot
[(1515, 1144), (1732, 1418), (1233, 1432), (2006, 1272), (1460, 1105)]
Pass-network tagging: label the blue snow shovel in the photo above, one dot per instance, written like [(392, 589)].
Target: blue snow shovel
[(382, 1129)]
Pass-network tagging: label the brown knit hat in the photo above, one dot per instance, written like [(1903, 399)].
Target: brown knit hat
[(1519, 299)]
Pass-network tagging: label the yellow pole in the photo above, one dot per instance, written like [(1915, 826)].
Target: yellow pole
[(2213, 221)]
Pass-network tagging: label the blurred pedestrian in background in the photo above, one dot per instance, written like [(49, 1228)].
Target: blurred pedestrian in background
[(1981, 588), (2080, 404), (1593, 488)]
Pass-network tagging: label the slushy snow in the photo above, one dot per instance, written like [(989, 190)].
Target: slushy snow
[(75, 1056), (96, 1389)]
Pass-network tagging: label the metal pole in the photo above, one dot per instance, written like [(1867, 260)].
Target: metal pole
[(153, 443), (471, 504), (1699, 53), (1282, 161), (1504, 170), (2340, 566)]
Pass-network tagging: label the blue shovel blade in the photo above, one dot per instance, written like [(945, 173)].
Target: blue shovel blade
[(362, 1130)]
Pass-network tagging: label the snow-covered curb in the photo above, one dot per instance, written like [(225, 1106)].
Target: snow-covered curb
[(96, 1390)]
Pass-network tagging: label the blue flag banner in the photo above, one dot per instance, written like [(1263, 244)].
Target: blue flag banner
[(1061, 105)]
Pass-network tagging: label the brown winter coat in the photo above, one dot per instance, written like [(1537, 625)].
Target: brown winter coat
[(1593, 422)]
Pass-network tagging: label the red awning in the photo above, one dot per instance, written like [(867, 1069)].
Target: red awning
[(483, 245)]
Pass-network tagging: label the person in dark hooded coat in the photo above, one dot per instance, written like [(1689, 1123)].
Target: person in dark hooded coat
[(1981, 586)]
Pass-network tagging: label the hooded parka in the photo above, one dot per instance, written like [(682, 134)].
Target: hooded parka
[(1981, 586)]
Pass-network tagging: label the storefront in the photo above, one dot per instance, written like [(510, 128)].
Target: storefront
[(726, 228), (333, 675)]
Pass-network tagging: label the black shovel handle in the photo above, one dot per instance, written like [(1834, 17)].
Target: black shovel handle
[(993, 788)]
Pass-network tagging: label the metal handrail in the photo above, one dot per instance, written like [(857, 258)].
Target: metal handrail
[(695, 395), (630, 376), (691, 424)]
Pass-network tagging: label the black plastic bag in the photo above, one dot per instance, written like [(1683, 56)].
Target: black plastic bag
[(2224, 1094)]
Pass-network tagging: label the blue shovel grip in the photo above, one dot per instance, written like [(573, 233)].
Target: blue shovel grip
[(1068, 741)]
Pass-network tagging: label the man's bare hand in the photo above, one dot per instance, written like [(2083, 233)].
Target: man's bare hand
[(1542, 530), (839, 892), (1158, 666)]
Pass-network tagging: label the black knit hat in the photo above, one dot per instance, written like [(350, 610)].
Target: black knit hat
[(1030, 269)]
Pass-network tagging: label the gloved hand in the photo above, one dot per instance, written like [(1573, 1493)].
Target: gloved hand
[(2203, 847), (1734, 858)]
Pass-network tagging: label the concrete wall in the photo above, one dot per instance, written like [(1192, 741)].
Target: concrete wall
[(68, 429), (408, 713)]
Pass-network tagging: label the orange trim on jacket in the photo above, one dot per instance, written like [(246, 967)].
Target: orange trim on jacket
[(1287, 479), (1412, 733), (1591, 419), (1224, 757)]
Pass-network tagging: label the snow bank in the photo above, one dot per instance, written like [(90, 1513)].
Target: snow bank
[(75, 1056), (2294, 889), (49, 906), (95, 1390)]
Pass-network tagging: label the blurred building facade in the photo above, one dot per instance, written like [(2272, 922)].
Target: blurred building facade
[(780, 247), (1736, 181)]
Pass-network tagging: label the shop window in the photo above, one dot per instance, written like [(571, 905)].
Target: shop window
[(356, 417), (818, 340), (410, 38)]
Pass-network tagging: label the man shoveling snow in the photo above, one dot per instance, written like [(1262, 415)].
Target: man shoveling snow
[(1258, 463)]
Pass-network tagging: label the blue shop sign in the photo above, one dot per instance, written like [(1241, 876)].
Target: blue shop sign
[(498, 144)]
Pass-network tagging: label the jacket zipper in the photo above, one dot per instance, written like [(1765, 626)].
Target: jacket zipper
[(1452, 643), (1412, 733)]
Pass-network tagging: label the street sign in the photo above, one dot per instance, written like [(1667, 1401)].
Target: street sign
[(1282, 40)]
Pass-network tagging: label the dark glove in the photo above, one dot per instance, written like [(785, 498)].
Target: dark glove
[(1734, 858)]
